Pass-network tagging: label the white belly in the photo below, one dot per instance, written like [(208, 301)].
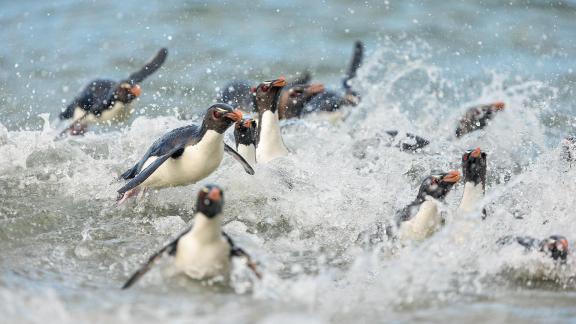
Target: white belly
[(118, 113), (425, 223), (248, 152), (204, 253), (270, 145), (472, 196), (196, 163)]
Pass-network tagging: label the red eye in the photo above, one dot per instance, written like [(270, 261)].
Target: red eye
[(294, 94), (253, 89), (264, 88), (216, 115), (465, 157)]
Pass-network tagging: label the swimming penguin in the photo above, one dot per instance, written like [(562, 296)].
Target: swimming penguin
[(203, 251), (245, 137), (106, 100), (478, 117), (407, 142), (420, 219), (293, 98), (474, 172), (555, 246), (331, 100), (184, 155), (269, 140)]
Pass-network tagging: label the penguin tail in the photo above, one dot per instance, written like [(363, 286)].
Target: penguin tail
[(154, 64)]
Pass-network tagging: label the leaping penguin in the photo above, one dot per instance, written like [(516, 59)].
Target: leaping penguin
[(184, 155), (203, 251), (106, 100), (270, 144), (478, 117), (245, 138), (420, 219), (555, 246), (474, 172)]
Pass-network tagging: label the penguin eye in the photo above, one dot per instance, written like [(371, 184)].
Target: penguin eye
[(216, 115), (253, 90), (465, 157), (264, 88)]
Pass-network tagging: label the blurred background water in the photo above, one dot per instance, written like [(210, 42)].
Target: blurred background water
[(66, 250)]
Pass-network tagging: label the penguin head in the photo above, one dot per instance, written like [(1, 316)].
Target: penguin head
[(556, 246), (438, 185), (474, 166), (245, 131), (237, 94), (488, 111), (126, 92), (210, 201), (266, 95), (220, 116)]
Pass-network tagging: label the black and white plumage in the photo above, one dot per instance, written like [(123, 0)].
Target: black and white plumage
[(421, 218), (270, 144), (555, 246), (202, 251), (107, 100), (245, 138), (185, 155), (478, 117), (474, 173)]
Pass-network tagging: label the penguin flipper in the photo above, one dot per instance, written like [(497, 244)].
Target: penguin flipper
[(236, 251), (150, 67), (142, 176), (239, 158), (354, 64), (170, 248)]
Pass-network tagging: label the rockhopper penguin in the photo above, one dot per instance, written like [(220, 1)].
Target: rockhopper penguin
[(477, 118), (245, 137), (555, 246), (269, 143), (203, 251), (106, 100), (474, 172), (184, 155), (420, 219)]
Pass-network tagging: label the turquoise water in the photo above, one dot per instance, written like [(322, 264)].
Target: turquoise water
[(66, 249)]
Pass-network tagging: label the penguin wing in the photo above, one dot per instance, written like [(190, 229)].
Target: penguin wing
[(236, 251), (150, 67), (142, 176), (354, 64), (239, 158), (170, 248), (176, 138)]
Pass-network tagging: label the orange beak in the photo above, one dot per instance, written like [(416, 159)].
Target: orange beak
[(136, 90), (215, 194), (452, 177), (315, 88), (564, 244), (499, 105), (236, 115), (476, 153), (280, 82)]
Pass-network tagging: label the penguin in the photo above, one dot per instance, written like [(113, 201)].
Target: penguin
[(203, 251), (474, 173), (331, 100), (269, 143), (245, 138), (293, 98), (184, 155), (478, 117), (555, 246), (420, 219), (106, 100)]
